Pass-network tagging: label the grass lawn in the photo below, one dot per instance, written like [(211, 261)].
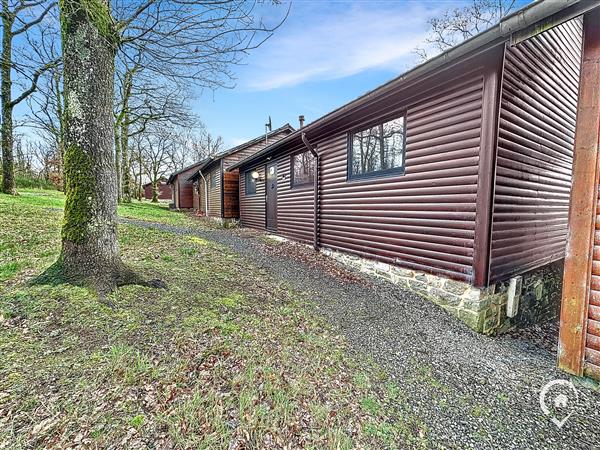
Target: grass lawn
[(225, 358)]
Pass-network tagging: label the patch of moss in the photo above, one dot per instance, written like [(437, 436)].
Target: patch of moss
[(98, 13), (80, 193)]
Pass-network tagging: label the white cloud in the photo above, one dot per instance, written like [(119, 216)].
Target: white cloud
[(326, 44)]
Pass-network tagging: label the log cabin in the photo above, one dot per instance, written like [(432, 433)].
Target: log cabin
[(182, 188), (452, 179), (222, 186), (163, 190)]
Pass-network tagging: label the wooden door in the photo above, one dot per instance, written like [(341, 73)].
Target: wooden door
[(271, 196)]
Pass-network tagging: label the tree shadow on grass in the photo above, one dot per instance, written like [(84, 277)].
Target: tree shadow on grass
[(55, 275), (52, 276)]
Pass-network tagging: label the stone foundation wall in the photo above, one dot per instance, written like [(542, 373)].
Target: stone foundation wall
[(225, 223), (537, 293)]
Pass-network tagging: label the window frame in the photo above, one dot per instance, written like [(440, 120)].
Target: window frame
[(248, 174), (213, 180), (400, 170), (305, 184)]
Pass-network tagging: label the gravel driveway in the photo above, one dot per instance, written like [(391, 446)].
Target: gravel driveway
[(464, 389)]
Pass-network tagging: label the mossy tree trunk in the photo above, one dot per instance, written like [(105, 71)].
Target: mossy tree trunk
[(90, 251), (155, 190)]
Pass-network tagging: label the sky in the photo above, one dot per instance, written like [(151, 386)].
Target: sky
[(325, 54)]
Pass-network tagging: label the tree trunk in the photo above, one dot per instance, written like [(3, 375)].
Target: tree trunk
[(125, 167), (124, 130), (8, 167), (154, 191), (60, 141), (90, 251), (139, 186)]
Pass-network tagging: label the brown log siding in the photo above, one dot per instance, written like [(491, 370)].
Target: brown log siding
[(201, 195), (164, 191), (214, 193), (424, 219), (229, 160), (535, 151), (252, 207), (295, 210), (295, 206), (184, 189)]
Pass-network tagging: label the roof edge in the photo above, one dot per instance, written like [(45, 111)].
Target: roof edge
[(524, 18)]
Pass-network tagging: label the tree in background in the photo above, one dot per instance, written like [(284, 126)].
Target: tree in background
[(46, 110), (159, 155), (204, 144), (457, 24), (182, 40), (141, 100), (18, 19)]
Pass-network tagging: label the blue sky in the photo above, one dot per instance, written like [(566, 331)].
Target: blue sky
[(324, 55)]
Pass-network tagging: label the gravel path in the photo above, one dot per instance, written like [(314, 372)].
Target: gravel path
[(465, 390)]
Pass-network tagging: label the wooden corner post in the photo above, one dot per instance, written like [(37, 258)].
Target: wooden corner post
[(582, 210)]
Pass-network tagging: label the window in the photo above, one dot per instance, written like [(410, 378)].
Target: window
[(250, 183), (213, 180), (378, 150), (303, 169)]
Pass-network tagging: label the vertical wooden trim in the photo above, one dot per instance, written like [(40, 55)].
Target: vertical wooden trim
[(222, 189), (582, 209), (487, 163), (316, 200)]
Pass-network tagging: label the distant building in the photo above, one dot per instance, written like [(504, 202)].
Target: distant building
[(222, 201), (164, 190), (452, 179), (182, 188)]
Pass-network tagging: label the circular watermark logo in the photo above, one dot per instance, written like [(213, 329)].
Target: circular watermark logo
[(558, 399)]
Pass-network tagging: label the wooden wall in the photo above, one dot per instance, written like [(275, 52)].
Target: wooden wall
[(535, 151), (164, 191), (295, 205), (185, 189), (231, 198), (201, 196), (424, 219), (229, 160), (214, 193), (252, 207), (295, 210), (579, 340)]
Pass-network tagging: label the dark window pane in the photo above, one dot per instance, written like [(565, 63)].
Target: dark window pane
[(303, 169), (250, 184), (213, 180), (379, 148)]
